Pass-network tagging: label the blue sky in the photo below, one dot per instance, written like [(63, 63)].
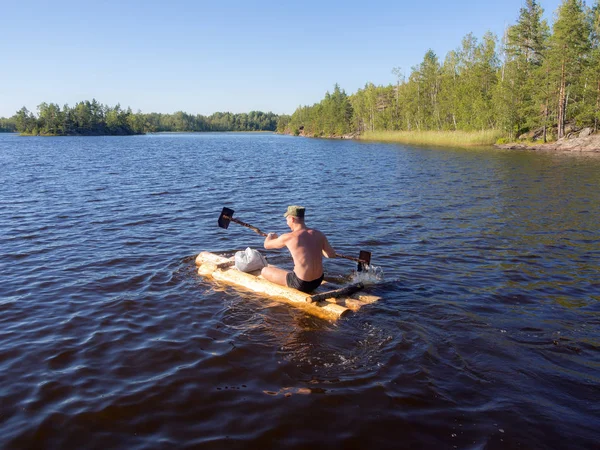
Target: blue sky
[(201, 57)]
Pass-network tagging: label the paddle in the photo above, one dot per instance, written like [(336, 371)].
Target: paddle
[(226, 218)]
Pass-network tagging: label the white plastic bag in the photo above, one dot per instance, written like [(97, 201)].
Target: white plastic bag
[(249, 260)]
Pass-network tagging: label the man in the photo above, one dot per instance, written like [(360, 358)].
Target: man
[(307, 247)]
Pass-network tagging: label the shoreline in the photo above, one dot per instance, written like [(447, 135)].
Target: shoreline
[(132, 134), (586, 144)]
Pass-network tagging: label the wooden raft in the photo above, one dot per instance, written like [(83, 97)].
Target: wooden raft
[(221, 269)]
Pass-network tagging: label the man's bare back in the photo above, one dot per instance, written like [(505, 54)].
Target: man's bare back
[(307, 246)]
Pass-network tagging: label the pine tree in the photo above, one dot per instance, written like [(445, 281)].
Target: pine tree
[(569, 55), (520, 92), (593, 73)]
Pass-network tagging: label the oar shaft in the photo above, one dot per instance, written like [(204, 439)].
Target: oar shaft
[(338, 255), (226, 215), (335, 294), (244, 224)]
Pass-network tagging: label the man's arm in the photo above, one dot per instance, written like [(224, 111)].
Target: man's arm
[(272, 241), (328, 250)]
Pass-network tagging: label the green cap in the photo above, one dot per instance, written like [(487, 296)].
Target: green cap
[(295, 211)]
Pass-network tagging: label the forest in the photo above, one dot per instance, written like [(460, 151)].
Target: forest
[(537, 80), (95, 119), (7, 125)]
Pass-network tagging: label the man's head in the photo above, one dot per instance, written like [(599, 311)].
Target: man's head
[(295, 211), (295, 214)]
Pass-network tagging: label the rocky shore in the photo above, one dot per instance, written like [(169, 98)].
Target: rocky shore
[(353, 135), (581, 142)]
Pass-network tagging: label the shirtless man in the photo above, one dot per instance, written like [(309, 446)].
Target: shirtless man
[(307, 246)]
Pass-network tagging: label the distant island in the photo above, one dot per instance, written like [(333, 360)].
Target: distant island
[(91, 118), (8, 125)]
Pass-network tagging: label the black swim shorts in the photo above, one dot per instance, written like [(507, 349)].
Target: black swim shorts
[(305, 286)]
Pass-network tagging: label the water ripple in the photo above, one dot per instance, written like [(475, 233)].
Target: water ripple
[(486, 335)]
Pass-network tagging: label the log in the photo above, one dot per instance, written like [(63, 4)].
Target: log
[(226, 265), (344, 292), (208, 265)]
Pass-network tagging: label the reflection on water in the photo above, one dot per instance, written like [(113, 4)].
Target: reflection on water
[(486, 334)]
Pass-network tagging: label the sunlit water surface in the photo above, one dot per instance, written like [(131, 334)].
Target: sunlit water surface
[(486, 334)]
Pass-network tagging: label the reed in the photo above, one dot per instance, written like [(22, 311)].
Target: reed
[(437, 138)]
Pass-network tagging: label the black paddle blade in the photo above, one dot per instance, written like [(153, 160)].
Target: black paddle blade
[(364, 256), (225, 217)]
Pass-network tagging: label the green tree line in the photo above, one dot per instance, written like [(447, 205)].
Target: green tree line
[(7, 125), (535, 78), (93, 118)]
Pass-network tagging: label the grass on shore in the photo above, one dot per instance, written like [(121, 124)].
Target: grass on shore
[(438, 138)]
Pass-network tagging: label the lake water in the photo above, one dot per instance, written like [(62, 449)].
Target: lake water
[(487, 334)]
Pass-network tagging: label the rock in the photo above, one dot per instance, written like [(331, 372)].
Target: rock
[(585, 132), (589, 143), (533, 135), (571, 128), (525, 136)]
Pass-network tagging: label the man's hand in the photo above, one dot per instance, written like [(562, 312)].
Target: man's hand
[(273, 241)]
